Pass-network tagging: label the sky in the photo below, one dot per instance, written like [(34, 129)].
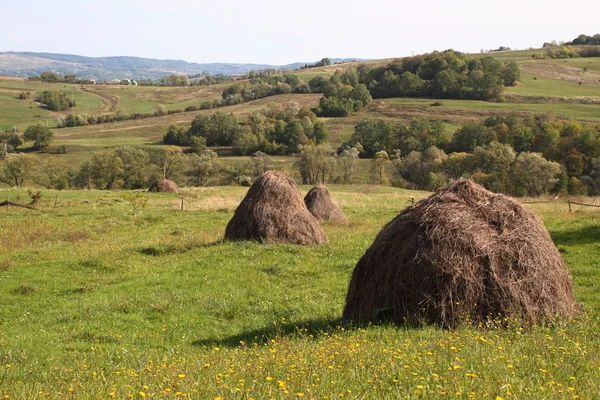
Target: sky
[(279, 32)]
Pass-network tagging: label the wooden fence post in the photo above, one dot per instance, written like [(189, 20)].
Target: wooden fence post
[(182, 203), (568, 201)]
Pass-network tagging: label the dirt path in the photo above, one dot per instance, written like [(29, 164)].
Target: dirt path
[(127, 128), (109, 103)]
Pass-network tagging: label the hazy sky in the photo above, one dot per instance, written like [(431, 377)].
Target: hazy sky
[(281, 32)]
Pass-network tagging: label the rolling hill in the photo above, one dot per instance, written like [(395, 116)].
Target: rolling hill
[(25, 64)]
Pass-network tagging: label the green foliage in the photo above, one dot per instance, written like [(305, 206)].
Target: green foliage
[(218, 129), (203, 167), (39, 135), (106, 168), (17, 168), (590, 52), (175, 80), (446, 75), (136, 199), (316, 164), (379, 162), (14, 140), (587, 40), (469, 137), (535, 175), (423, 169), (56, 101), (169, 161), (177, 135), (341, 99), (561, 52), (348, 159), (418, 135)]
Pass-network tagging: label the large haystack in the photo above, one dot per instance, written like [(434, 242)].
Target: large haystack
[(273, 211), (320, 203), (165, 186), (462, 254)]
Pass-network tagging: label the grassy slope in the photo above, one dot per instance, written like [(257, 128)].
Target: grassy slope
[(22, 113), (98, 303)]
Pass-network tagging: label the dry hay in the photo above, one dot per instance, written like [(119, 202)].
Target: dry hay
[(164, 186), (320, 203), (273, 211), (462, 254)]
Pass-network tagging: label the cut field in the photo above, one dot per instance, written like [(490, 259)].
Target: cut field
[(98, 302), (477, 110)]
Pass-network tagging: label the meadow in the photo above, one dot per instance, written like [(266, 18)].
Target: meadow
[(99, 302)]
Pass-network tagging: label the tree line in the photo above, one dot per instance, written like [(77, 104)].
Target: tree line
[(527, 156), (444, 75), (273, 130), (52, 77), (127, 167)]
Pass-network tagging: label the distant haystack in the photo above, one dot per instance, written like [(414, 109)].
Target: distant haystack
[(164, 185), (462, 254), (273, 211), (321, 204)]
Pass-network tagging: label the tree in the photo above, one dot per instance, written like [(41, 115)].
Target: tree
[(14, 140), (106, 168), (592, 179), (203, 167), (168, 160), (424, 170), (511, 74), (316, 163), (318, 84), (53, 174), (348, 159), (83, 177), (534, 174), (177, 135), (261, 162), (380, 161), (458, 165), (17, 168), (56, 101), (40, 135), (175, 80), (134, 166), (220, 129), (470, 136), (494, 162)]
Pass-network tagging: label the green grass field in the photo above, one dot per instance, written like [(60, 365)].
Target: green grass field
[(22, 113), (589, 112), (100, 303), (553, 87)]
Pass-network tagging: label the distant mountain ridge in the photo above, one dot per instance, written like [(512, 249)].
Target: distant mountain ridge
[(26, 64)]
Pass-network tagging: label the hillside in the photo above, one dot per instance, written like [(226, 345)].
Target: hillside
[(25, 64)]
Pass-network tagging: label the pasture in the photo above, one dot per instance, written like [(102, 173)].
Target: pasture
[(100, 302)]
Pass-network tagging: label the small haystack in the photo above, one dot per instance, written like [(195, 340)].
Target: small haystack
[(165, 186), (462, 254), (273, 211), (321, 204)]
